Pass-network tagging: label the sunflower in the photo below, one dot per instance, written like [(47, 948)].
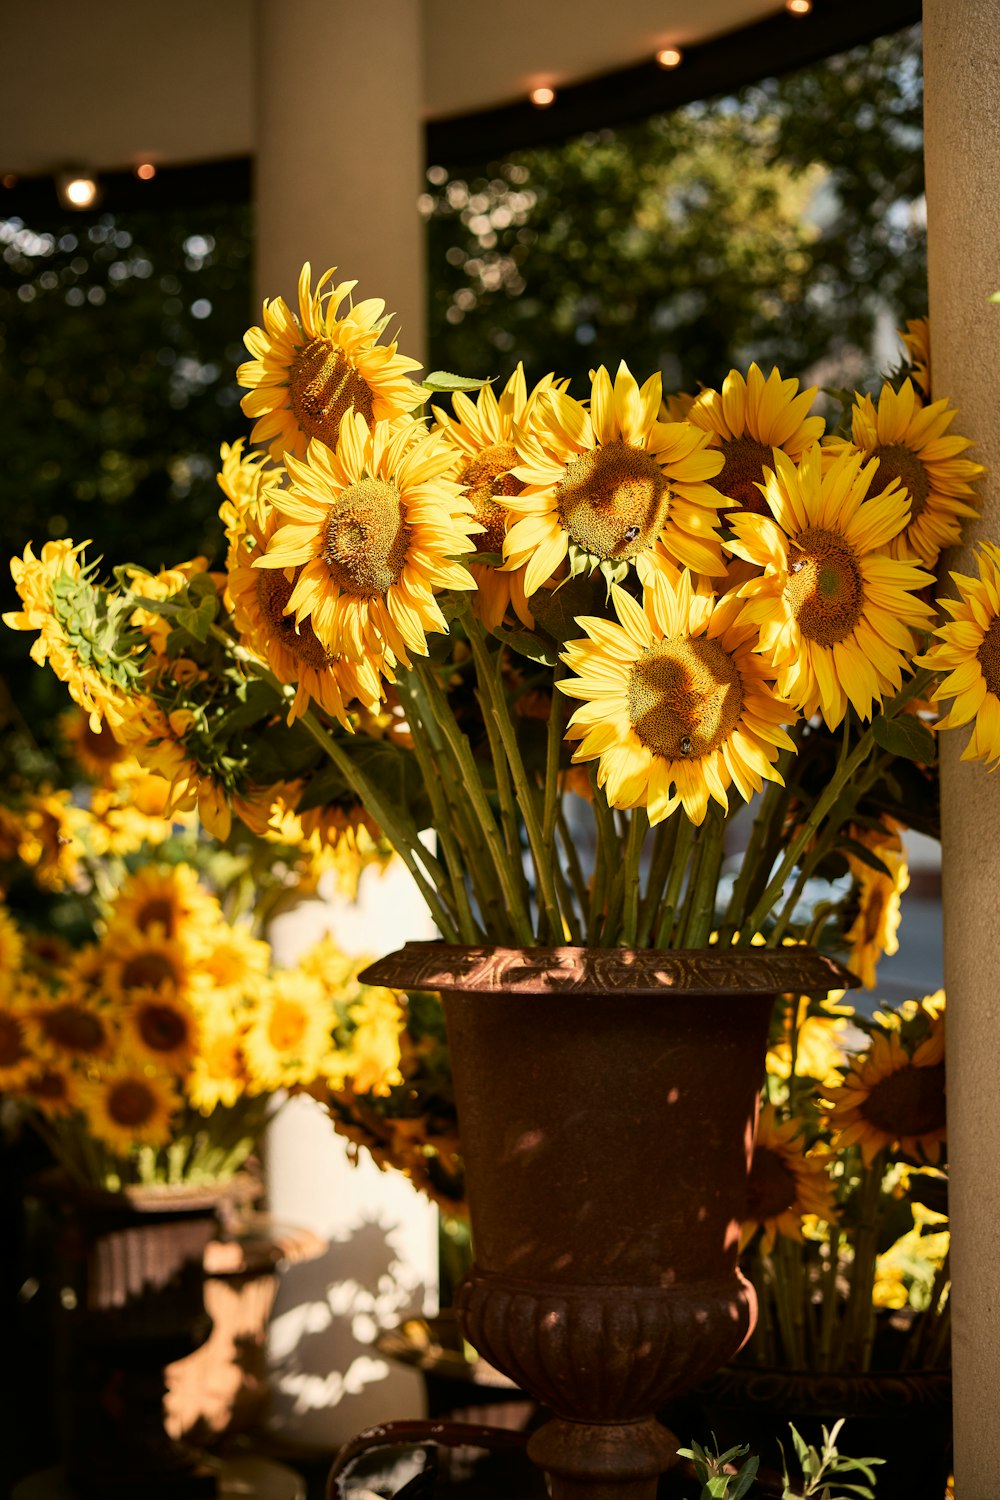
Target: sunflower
[(95, 751), (232, 961), (482, 432), (747, 420), (71, 1027), (53, 1090), (785, 1183), (612, 487), (245, 480), (967, 655), (171, 900), (292, 651), (371, 1059), (308, 371), (677, 705), (917, 341), (893, 1098), (218, 1073), (819, 1043), (129, 1106), (17, 1056), (288, 1038), (836, 615), (160, 1028), (876, 923), (51, 838), (161, 586), (11, 948), (913, 446), (374, 527), (132, 810), (137, 960), (191, 788)]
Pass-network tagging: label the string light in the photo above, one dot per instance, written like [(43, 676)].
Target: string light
[(798, 7), (542, 97), (669, 57), (77, 189), (145, 171)]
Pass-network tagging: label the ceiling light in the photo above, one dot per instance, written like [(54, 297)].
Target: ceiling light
[(669, 57), (541, 98)]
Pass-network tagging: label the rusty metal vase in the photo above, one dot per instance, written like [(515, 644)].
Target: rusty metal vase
[(607, 1100)]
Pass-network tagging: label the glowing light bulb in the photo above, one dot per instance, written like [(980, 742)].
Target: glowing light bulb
[(669, 57), (541, 98), (798, 7), (78, 190)]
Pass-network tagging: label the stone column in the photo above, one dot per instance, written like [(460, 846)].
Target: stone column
[(340, 149), (962, 70)]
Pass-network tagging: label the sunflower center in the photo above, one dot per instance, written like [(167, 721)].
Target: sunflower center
[(988, 656), (910, 1102), (158, 912), (613, 501), (162, 1028), (12, 1050), (824, 589), (366, 538), (484, 476), (148, 971), (101, 746), (130, 1102), (741, 473), (51, 1086), (685, 697), (771, 1187), (74, 1029), (286, 1027), (273, 593), (322, 386), (898, 462)]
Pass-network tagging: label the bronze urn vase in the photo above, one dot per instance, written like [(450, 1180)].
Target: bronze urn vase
[(607, 1100)]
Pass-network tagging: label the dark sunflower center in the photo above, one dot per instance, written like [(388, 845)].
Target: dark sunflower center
[(273, 593), (157, 912), (771, 1188), (366, 538), (322, 386), (685, 698), (824, 589), (102, 746), (50, 1086), (741, 473), (162, 1027), (484, 476), (988, 656), (130, 1102), (148, 970), (286, 1027), (898, 462), (613, 501), (12, 1050), (72, 1028), (910, 1102)]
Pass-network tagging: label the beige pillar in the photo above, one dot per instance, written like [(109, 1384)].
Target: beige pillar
[(340, 150), (962, 70)]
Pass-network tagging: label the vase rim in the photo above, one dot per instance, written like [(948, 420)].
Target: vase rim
[(597, 972)]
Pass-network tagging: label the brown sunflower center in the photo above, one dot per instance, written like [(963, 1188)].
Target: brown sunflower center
[(366, 538), (102, 746), (322, 386), (131, 1102), (613, 501), (741, 473), (12, 1049), (50, 1086), (910, 1102), (157, 911), (73, 1028), (771, 1187), (824, 589), (273, 593), (484, 476), (685, 697), (148, 970), (898, 462), (286, 1027), (988, 656), (162, 1028)]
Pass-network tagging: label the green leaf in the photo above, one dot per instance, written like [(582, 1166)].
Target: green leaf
[(865, 855), (528, 643), (442, 381), (905, 737)]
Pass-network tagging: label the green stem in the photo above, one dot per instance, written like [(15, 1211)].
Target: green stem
[(573, 865), (699, 916), (606, 859), (664, 843), (553, 745), (637, 828), (831, 1300), (675, 881)]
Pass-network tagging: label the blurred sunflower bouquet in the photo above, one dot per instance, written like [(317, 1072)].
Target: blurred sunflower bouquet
[(157, 1052), (570, 634), (846, 1238)]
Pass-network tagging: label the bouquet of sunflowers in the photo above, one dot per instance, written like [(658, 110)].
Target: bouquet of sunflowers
[(570, 634)]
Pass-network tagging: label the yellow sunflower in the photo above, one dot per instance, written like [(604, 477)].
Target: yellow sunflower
[(190, 787), (482, 432), (676, 704), (288, 1038), (218, 1073), (161, 586), (836, 615), (747, 420), (136, 960), (171, 900), (819, 1043), (967, 655), (129, 1106), (374, 527), (913, 446), (917, 341), (308, 371), (786, 1183), (245, 480), (17, 1055), (51, 841), (612, 487), (874, 928), (53, 1090), (370, 1061), (160, 1027), (11, 949), (894, 1099), (232, 961), (292, 651), (132, 810)]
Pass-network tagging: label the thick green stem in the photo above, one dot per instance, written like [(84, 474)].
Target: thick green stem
[(699, 917), (637, 829), (664, 843), (675, 882)]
